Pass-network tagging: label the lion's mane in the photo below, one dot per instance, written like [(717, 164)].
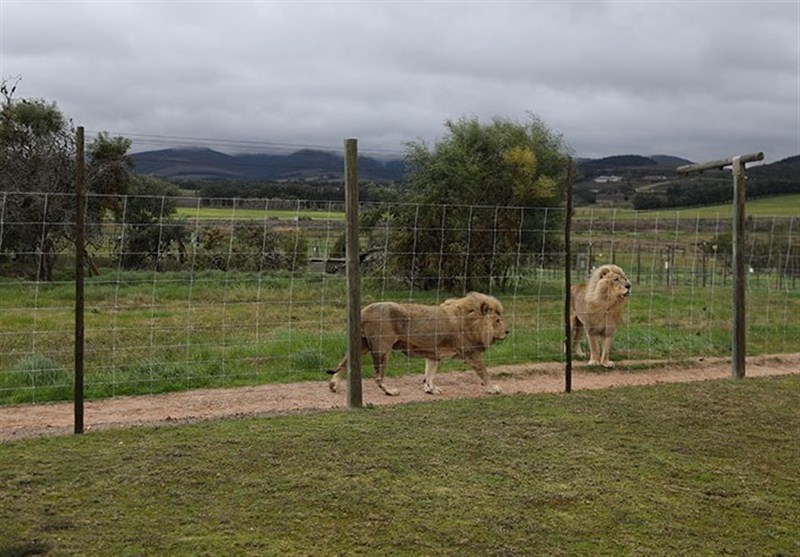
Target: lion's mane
[(474, 313), (605, 295)]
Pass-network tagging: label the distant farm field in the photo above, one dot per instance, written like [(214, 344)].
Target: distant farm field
[(227, 214), (705, 468), (779, 206)]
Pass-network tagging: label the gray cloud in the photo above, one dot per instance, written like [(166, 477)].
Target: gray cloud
[(703, 80)]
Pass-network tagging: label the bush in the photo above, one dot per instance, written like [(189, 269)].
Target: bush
[(252, 249)]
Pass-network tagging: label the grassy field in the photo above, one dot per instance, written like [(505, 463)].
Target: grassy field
[(779, 206), (149, 333), (695, 469), (227, 214), (192, 325)]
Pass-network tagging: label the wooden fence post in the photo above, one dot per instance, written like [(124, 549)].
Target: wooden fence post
[(738, 348), (739, 275), (80, 248), (354, 390), (568, 282)]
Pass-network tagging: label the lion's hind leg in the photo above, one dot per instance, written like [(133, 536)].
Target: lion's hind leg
[(339, 375), (380, 361), (577, 336)]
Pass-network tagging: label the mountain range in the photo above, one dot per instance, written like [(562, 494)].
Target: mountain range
[(309, 165), (207, 164)]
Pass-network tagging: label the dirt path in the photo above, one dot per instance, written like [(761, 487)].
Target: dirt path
[(19, 422)]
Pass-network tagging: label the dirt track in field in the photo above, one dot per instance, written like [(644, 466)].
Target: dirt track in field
[(25, 421)]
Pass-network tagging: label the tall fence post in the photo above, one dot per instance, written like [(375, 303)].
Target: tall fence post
[(568, 282), (739, 274), (354, 391), (738, 348), (80, 250)]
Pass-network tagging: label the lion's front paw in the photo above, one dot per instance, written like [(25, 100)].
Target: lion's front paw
[(609, 364), (592, 362), (494, 390)]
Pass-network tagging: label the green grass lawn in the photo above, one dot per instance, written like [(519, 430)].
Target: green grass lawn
[(695, 469)]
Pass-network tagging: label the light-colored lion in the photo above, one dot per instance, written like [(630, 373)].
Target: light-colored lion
[(457, 328), (597, 308)]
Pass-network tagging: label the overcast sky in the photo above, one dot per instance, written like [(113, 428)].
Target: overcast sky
[(700, 80)]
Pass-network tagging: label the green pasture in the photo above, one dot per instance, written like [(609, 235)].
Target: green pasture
[(706, 468), (778, 206), (151, 333), (234, 214)]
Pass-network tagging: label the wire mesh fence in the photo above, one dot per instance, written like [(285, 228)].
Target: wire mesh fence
[(189, 292)]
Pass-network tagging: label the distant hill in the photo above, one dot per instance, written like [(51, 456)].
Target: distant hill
[(791, 161), (629, 164), (616, 162), (311, 164), (785, 168), (670, 161), (653, 182), (185, 163), (207, 164)]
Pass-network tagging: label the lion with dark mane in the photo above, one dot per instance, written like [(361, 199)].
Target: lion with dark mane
[(457, 328), (597, 307)]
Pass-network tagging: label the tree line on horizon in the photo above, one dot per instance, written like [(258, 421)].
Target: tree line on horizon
[(632, 172)]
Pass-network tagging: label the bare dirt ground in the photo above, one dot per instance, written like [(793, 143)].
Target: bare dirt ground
[(20, 422)]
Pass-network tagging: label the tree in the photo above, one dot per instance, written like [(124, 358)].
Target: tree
[(478, 198), (108, 179), (37, 169), (110, 165), (37, 187), (37, 181), (150, 231)]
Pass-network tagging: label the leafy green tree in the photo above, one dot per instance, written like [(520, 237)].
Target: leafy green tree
[(37, 181), (37, 170), (478, 203), (110, 169), (151, 233), (37, 187)]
